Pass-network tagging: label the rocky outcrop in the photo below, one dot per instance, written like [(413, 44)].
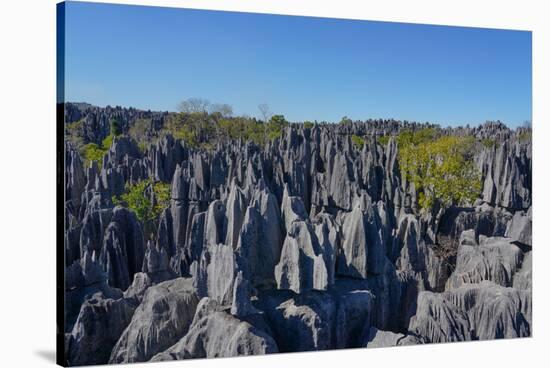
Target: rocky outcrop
[(260, 237), (375, 338), (85, 279), (363, 249), (216, 273), (311, 241), (302, 266), (523, 278), (97, 329), (241, 306), (507, 170), (520, 228), (494, 259), (123, 248), (216, 333), (317, 320), (494, 311), (163, 317), (439, 320)]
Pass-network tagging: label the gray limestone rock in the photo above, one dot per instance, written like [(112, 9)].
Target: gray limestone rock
[(292, 209), (162, 318), (215, 227), (439, 320), (317, 320), (520, 228), (523, 278), (235, 213), (306, 242), (376, 338), (302, 265), (494, 311), (219, 334), (216, 273), (241, 306), (97, 329), (494, 259), (363, 249), (123, 248)]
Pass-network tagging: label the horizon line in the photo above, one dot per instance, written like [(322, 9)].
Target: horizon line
[(440, 125)]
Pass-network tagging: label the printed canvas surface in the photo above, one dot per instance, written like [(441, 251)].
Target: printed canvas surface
[(243, 184)]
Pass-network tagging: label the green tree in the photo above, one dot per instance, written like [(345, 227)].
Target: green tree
[(345, 121), (358, 141), (115, 127), (93, 152), (275, 126), (147, 199), (441, 169), (383, 140), (488, 142)]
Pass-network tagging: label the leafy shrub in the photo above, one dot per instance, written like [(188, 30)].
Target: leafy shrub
[(345, 121), (488, 142), (383, 140), (74, 126), (107, 142), (185, 126), (357, 140), (186, 134), (442, 170), (411, 137), (93, 152), (275, 126), (115, 127), (147, 200), (138, 131), (143, 146), (255, 131), (525, 136), (74, 133), (308, 124)]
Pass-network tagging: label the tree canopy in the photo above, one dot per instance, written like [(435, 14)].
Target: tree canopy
[(441, 168), (147, 199)]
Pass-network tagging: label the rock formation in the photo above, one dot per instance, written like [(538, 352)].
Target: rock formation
[(308, 241)]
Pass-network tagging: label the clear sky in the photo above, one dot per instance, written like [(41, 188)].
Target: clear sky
[(305, 68)]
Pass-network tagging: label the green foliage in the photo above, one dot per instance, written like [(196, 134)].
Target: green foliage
[(308, 124), (107, 142), (408, 137), (138, 132), (441, 169), (147, 200), (233, 128), (186, 134), (255, 131), (143, 146), (345, 120), (183, 126), (383, 140), (358, 141), (275, 126), (525, 136), (74, 126), (74, 132), (204, 130), (93, 152), (115, 127), (488, 143)]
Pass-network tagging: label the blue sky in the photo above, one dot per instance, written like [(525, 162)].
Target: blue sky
[(305, 68)]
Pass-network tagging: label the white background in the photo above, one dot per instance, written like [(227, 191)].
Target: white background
[(27, 181)]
